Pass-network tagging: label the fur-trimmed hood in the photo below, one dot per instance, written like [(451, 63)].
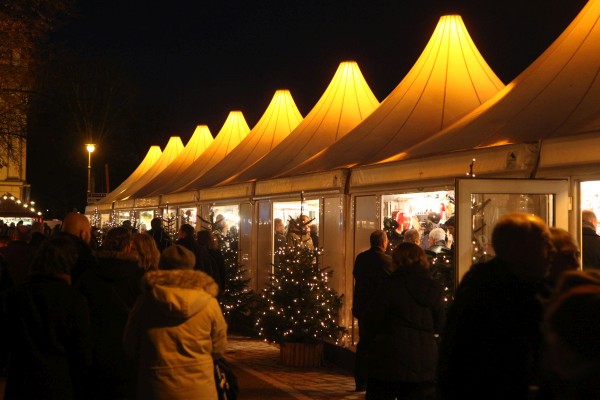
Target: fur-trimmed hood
[(180, 292)]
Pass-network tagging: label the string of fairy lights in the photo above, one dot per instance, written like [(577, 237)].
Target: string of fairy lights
[(299, 305)]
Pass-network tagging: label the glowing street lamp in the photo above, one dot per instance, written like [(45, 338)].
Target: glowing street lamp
[(90, 148)]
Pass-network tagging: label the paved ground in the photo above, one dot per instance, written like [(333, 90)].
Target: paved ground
[(260, 375)]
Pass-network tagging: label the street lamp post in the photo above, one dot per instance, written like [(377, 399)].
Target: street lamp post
[(90, 148)]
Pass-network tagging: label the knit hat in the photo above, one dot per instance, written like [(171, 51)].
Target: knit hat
[(177, 257)]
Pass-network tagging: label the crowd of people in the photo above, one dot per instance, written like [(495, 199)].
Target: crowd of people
[(523, 325), (137, 317)]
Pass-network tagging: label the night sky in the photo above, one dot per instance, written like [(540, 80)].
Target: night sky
[(197, 60)]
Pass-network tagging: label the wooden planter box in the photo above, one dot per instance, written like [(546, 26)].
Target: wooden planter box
[(301, 354)]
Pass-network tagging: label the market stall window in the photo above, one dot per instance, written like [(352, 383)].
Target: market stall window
[(187, 215), (226, 218), (421, 211), (590, 197), (143, 220), (284, 211)]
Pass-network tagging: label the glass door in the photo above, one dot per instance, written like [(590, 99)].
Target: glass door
[(481, 202)]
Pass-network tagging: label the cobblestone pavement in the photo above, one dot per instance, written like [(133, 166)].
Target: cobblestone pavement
[(261, 360)]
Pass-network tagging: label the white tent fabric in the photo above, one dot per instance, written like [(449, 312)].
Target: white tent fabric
[(152, 156), (170, 153), (557, 95), (198, 143), (234, 130), (279, 119), (346, 101), (448, 80)]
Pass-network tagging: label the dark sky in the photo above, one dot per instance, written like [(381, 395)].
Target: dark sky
[(198, 60)]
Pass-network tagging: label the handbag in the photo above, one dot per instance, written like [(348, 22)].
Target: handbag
[(225, 379)]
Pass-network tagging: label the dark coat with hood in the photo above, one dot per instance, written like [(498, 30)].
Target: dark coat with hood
[(111, 290), (403, 316), (175, 330), (45, 323)]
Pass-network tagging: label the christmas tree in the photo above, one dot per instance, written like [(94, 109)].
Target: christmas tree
[(238, 301), (297, 304), (442, 270)]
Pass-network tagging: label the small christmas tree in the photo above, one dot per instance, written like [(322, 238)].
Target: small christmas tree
[(442, 270), (298, 305), (238, 300)]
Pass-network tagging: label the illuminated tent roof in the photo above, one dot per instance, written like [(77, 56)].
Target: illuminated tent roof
[(172, 150), (234, 130), (198, 143), (346, 101), (278, 120), (557, 95), (151, 157), (449, 79)]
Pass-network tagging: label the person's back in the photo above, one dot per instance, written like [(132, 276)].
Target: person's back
[(175, 330), (46, 329), (78, 228), (370, 268), (212, 259), (18, 255), (590, 241), (111, 290), (158, 233), (491, 342), (403, 317)]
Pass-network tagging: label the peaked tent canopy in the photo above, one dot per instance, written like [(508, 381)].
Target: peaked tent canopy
[(279, 119), (449, 79), (172, 150), (346, 101), (198, 143), (234, 130), (151, 157), (557, 95)]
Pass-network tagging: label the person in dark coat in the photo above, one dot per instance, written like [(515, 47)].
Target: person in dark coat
[(158, 233), (490, 347), (187, 239), (370, 267), (590, 241), (79, 229), (403, 319), (210, 248), (18, 255), (111, 289), (45, 326)]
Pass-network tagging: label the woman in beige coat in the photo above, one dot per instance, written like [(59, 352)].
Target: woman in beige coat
[(175, 330)]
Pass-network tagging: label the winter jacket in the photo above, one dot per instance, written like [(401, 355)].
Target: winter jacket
[(46, 328), (491, 342), (370, 268), (402, 319), (590, 244), (111, 290), (175, 329)]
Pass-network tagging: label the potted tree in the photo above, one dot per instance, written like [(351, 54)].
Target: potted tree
[(298, 308)]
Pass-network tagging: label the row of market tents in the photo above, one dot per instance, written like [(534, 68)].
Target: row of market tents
[(450, 101), (449, 109)]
